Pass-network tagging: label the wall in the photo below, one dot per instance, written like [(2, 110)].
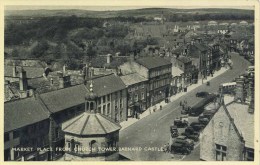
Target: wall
[(223, 135)]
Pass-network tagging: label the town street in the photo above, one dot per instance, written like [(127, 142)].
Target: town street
[(154, 130)]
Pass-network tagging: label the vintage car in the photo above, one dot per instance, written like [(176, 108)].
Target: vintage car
[(180, 148), (185, 140), (174, 131), (181, 122), (203, 119), (202, 94), (197, 126), (191, 134)]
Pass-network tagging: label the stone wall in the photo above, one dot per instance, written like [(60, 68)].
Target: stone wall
[(221, 131)]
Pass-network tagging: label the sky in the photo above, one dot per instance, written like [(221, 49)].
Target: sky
[(107, 8)]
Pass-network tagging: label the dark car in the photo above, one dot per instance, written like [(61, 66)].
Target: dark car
[(180, 148), (174, 131), (180, 123), (197, 126), (203, 120), (185, 140), (202, 94)]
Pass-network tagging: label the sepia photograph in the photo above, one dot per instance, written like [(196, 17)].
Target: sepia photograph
[(130, 83)]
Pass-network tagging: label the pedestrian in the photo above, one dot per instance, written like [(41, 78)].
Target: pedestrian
[(168, 147), (160, 107), (164, 148)]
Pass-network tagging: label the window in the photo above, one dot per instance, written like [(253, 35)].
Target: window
[(6, 138), (69, 145), (99, 109), (7, 155), (108, 97), (104, 109), (142, 95), (221, 152), (104, 99), (56, 133), (16, 134), (136, 97), (121, 103), (249, 155), (108, 108)]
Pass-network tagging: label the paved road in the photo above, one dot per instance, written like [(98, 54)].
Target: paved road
[(154, 131)]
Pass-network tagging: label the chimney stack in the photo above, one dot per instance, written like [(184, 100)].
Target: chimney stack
[(23, 85), (64, 81), (240, 90), (251, 93), (14, 71)]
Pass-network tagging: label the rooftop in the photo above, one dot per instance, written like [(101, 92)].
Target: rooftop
[(90, 124), (64, 98), (244, 121), (133, 78), (107, 84), (31, 72), (153, 62), (23, 112)]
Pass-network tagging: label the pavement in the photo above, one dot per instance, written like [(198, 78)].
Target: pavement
[(152, 131), (149, 111)]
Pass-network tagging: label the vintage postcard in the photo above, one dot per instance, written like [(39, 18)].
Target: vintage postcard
[(123, 81)]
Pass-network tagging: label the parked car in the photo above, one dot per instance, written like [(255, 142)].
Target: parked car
[(183, 121), (174, 131), (185, 140), (197, 126), (191, 133), (202, 94), (180, 148), (203, 119)]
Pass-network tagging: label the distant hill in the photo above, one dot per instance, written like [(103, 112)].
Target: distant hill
[(145, 12)]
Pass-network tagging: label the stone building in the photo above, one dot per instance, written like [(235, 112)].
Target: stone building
[(136, 93), (226, 137), (158, 72), (112, 96), (25, 126), (91, 135)]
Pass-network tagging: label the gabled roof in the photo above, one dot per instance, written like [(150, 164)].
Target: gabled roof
[(31, 72), (64, 98), (153, 62), (243, 120), (90, 124), (107, 84), (133, 78), (23, 112)]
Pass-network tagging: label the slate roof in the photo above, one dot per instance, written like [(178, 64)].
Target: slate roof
[(90, 124), (133, 78), (184, 59), (107, 84), (101, 61), (244, 121), (31, 72), (64, 98), (23, 112), (153, 62)]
